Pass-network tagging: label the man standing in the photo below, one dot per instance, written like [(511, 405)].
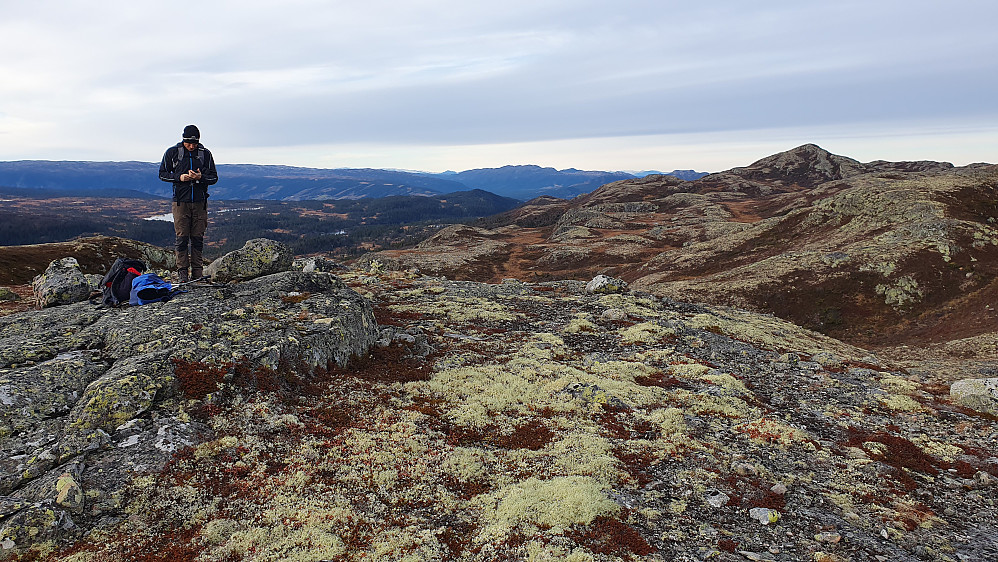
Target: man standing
[(191, 169)]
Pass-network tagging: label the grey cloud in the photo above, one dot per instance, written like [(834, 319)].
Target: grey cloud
[(450, 72)]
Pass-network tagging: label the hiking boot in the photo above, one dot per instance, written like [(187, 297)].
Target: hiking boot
[(182, 276), (197, 273)]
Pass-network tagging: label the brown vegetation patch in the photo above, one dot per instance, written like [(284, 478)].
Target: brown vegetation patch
[(392, 364), (900, 452), (637, 465), (196, 380), (620, 423), (385, 316), (27, 301), (661, 380), (175, 545), (533, 435), (750, 491), (844, 307), (611, 537)]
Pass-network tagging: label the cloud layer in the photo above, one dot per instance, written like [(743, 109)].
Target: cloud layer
[(407, 84)]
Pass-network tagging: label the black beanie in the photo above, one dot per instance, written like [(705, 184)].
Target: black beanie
[(192, 132)]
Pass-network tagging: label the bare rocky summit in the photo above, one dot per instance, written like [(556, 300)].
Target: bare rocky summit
[(877, 254)]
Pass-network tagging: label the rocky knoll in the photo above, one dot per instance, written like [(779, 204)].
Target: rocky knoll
[(92, 397), (514, 421), (875, 253), (22, 263)]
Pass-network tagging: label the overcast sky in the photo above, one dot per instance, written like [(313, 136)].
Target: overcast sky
[(458, 84)]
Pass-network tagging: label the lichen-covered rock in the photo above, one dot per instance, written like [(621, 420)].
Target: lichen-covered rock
[(98, 388), (126, 390), (93, 281), (62, 283), (605, 284), (256, 258), (35, 524), (8, 295), (69, 494), (977, 394), (34, 400)]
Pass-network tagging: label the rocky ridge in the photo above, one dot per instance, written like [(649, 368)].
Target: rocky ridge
[(881, 253), (507, 421)]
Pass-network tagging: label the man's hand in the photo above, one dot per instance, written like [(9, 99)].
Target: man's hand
[(191, 176)]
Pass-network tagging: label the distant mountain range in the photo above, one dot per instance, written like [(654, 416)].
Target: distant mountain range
[(288, 183)]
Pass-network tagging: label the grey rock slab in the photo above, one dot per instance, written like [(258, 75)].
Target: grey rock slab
[(36, 398)]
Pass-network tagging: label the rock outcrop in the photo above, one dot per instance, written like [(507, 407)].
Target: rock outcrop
[(91, 398), (257, 257), (61, 283), (876, 253)]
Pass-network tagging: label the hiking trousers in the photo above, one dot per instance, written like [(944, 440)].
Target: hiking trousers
[(190, 221)]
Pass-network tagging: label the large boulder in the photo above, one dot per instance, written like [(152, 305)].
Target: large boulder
[(256, 258), (606, 285), (62, 283), (89, 397), (976, 394)]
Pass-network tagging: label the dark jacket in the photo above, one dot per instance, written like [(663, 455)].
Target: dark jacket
[(178, 161)]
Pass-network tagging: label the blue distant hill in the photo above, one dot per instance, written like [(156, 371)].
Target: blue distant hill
[(289, 183)]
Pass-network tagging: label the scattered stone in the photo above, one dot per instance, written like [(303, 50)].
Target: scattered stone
[(613, 315), (606, 285), (828, 537), (977, 394), (719, 500), (258, 257), (413, 339), (983, 479), (764, 515), (757, 556), (317, 264), (93, 281), (8, 295), (790, 358), (62, 283)]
